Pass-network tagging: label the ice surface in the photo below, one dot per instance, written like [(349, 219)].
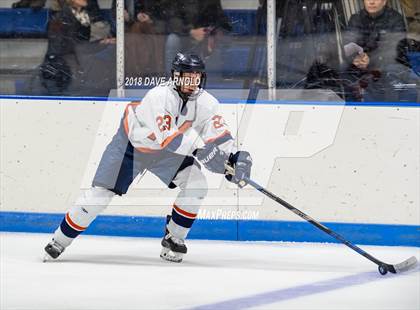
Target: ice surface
[(127, 273)]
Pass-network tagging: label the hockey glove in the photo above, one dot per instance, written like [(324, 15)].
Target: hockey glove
[(212, 158), (241, 163)]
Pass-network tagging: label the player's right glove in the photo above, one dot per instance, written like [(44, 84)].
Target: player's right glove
[(212, 158), (240, 164)]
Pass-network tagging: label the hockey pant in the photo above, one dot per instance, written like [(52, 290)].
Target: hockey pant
[(193, 189)]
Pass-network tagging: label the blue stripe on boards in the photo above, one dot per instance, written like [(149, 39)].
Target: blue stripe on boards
[(228, 101), (242, 230)]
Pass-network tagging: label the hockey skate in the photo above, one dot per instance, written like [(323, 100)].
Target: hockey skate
[(52, 250), (173, 249)]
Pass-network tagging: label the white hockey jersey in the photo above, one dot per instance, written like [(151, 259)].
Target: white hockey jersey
[(157, 122)]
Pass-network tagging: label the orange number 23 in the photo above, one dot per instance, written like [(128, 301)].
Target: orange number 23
[(164, 123), (217, 121)]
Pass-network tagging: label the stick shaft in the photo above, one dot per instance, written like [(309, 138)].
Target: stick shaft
[(313, 221)]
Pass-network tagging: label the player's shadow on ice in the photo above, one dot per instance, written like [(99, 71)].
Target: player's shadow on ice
[(112, 259), (191, 262)]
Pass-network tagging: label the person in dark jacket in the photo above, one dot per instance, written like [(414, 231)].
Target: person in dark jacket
[(371, 48), (143, 11), (377, 29), (69, 28), (145, 26), (66, 29), (71, 59), (92, 8), (194, 26)]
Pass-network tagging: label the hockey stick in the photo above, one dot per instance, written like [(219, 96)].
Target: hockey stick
[(382, 267)]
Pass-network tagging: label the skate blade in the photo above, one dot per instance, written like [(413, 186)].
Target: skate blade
[(46, 258), (168, 255)]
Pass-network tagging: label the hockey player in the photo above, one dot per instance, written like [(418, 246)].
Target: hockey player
[(153, 136)]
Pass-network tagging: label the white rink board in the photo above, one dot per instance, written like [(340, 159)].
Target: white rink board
[(357, 165)]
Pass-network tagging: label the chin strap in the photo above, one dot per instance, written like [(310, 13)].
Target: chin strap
[(183, 96)]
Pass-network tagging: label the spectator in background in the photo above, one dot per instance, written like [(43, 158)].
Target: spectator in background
[(412, 12), (409, 49), (371, 47), (99, 27), (92, 8), (149, 11), (69, 52), (377, 29), (195, 26), (145, 27)]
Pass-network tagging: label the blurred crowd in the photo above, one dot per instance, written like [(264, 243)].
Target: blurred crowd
[(373, 57), (367, 57), (81, 40)]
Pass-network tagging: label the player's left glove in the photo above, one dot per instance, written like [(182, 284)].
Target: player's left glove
[(212, 158), (241, 163)]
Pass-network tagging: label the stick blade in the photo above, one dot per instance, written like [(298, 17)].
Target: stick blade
[(406, 265)]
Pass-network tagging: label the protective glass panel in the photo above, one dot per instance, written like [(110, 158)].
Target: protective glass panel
[(68, 47), (57, 47), (362, 50), (228, 35)]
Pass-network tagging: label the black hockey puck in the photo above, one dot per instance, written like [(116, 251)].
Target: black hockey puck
[(383, 270)]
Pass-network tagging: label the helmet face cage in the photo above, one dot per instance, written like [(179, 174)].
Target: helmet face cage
[(188, 63)]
